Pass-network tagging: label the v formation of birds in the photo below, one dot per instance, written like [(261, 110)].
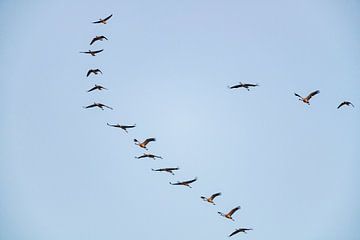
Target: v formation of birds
[(143, 144)]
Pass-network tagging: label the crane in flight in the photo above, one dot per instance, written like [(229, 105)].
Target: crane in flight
[(98, 38), (169, 170), (103, 20), (123, 127), (97, 87), (345, 103), (185, 183), (229, 214), (93, 53), (99, 105), (144, 143), (147, 155), (308, 97), (211, 198), (243, 85), (240, 230), (93, 71)]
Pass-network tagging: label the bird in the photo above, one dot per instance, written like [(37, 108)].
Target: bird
[(98, 87), (94, 71), (307, 99), (144, 143), (211, 198), (244, 85), (345, 103), (123, 127), (93, 53), (103, 21), (240, 230), (185, 183), (147, 155), (98, 38), (99, 105), (169, 170), (229, 214)]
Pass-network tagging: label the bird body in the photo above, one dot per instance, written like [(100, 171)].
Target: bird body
[(211, 198), (243, 85), (169, 170), (97, 87), (144, 143), (147, 155), (93, 53), (229, 214), (240, 230), (347, 103), (103, 21), (123, 127), (94, 71), (308, 97), (99, 105), (98, 38), (184, 183)]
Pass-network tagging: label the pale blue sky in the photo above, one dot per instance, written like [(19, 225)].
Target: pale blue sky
[(293, 169)]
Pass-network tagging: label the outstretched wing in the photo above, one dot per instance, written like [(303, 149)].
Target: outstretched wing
[(251, 85), (233, 210), (93, 40), (235, 86), (149, 140), (215, 195), (91, 106), (92, 89), (129, 126), (89, 72), (107, 107), (107, 18), (297, 95), (234, 232), (312, 94), (98, 51), (190, 181)]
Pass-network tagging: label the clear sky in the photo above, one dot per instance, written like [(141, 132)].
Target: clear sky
[(293, 168)]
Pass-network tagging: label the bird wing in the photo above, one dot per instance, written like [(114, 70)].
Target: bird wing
[(235, 86), (171, 169), (251, 85), (104, 37), (92, 89), (107, 107), (215, 195), (98, 21), (234, 210), (127, 126), (91, 106), (341, 104), (297, 95), (312, 94), (234, 232), (107, 18), (98, 51), (149, 140), (89, 72), (190, 181), (93, 40)]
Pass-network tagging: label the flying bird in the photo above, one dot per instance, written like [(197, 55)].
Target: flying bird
[(243, 85), (103, 21), (97, 87), (144, 143), (99, 105), (123, 127), (146, 155), (94, 71), (98, 38), (240, 230), (184, 183), (169, 170), (345, 103), (211, 198), (93, 53), (307, 99), (229, 214)]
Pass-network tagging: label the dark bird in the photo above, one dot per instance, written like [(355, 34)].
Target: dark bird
[(240, 230), (211, 198), (103, 21), (345, 103), (93, 53), (99, 105), (229, 214), (123, 127), (94, 71), (98, 38), (97, 87), (169, 170), (146, 155), (144, 143), (307, 99), (184, 183), (243, 85)]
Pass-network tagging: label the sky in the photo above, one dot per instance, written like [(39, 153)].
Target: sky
[(293, 168)]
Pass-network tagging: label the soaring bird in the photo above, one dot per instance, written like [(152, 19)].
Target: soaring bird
[(169, 170), (240, 230), (184, 183), (307, 99), (99, 105), (345, 103), (98, 38), (244, 85), (146, 155), (123, 127), (93, 53), (94, 71), (144, 143), (103, 21), (211, 198), (97, 87), (229, 214)]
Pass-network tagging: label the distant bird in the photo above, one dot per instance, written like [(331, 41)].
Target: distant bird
[(169, 170), (98, 38), (211, 198), (123, 127), (103, 21), (93, 53), (345, 103), (99, 105), (240, 230), (307, 99), (146, 155), (144, 143), (229, 214), (184, 183), (97, 87), (244, 85), (94, 71)]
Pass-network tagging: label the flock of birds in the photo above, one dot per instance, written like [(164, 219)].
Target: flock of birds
[(144, 144)]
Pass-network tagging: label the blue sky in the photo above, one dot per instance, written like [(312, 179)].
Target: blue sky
[(292, 168)]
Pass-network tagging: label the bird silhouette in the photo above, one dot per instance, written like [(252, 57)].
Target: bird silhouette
[(345, 103), (123, 127), (97, 87), (229, 214), (99, 105), (308, 97), (93, 71), (243, 85), (103, 21), (93, 53), (144, 143), (169, 170), (211, 198), (240, 230), (98, 38), (147, 155), (184, 183)]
